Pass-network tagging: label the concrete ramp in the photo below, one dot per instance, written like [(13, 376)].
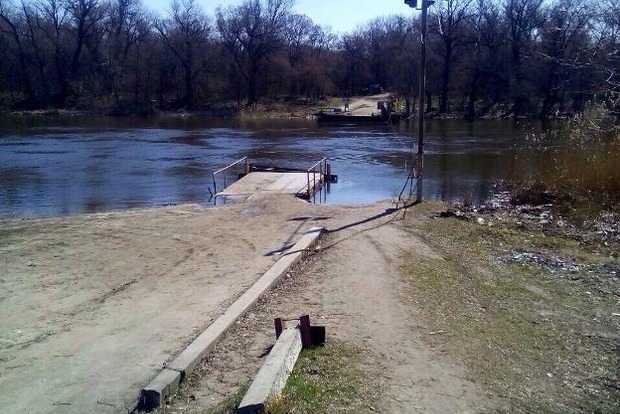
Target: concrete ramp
[(263, 183)]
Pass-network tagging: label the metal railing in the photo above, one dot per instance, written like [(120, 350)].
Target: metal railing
[(317, 175), (321, 167), (224, 171)]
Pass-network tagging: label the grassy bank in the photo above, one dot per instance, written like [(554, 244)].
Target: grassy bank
[(535, 318), (326, 379)]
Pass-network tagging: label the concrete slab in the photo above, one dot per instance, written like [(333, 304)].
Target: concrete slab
[(164, 384), (184, 363), (271, 378)]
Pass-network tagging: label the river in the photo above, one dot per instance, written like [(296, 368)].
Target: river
[(52, 166)]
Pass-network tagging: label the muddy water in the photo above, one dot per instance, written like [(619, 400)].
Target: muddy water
[(53, 166)]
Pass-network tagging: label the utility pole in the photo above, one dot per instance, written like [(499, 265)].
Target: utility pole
[(421, 89), (422, 75)]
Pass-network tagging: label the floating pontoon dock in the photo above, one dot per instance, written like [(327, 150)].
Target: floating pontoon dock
[(240, 180)]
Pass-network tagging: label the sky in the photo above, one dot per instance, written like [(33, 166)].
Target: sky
[(342, 15)]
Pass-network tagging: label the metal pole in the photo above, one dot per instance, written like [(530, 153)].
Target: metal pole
[(419, 181), (422, 87), (314, 185)]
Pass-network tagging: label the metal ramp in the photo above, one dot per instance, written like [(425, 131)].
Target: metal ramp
[(240, 180)]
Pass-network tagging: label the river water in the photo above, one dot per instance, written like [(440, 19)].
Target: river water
[(52, 166)]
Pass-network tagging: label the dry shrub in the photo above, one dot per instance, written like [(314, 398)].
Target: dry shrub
[(583, 182)]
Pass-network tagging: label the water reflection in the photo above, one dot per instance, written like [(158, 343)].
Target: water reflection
[(56, 166)]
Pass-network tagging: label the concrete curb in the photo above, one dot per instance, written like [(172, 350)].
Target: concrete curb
[(168, 380), (271, 378)]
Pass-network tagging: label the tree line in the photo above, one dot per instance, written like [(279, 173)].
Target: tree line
[(520, 57)]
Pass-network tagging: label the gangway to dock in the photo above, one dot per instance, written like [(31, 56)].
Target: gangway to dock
[(241, 180)]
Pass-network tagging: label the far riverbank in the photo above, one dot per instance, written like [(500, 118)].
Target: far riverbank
[(282, 108)]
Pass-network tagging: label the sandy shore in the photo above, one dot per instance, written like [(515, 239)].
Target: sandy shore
[(93, 305)]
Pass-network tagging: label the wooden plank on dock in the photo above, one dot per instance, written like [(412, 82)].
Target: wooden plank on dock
[(272, 183)]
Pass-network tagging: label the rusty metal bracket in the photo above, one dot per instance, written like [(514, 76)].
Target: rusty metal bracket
[(310, 335)]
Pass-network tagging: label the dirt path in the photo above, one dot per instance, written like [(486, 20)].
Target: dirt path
[(366, 105), (364, 285), (354, 288)]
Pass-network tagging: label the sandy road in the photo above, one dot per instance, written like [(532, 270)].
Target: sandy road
[(362, 285), (366, 105), (91, 306)]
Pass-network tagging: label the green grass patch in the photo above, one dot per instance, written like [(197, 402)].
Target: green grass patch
[(328, 379)]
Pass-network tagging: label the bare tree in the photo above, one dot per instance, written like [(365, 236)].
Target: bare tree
[(564, 44), (252, 32), (375, 35), (448, 23), (305, 43), (384, 52), (39, 58), (402, 54), (523, 18), (10, 25), (606, 32), (352, 49), (52, 21), (84, 15), (185, 33), (126, 27)]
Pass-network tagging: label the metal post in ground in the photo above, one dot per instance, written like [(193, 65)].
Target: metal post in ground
[(304, 330), (419, 181), (314, 185), (279, 325)]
